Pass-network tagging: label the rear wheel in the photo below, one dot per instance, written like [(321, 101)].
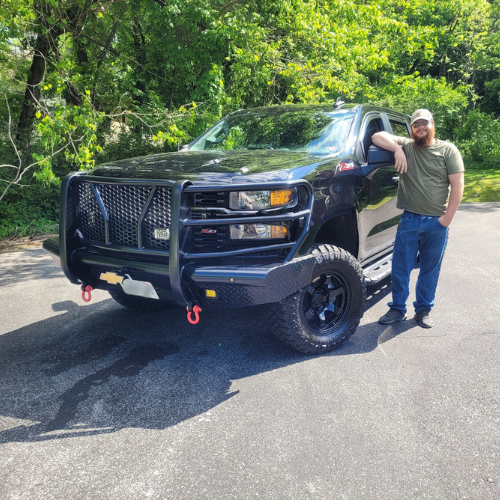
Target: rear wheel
[(136, 303), (325, 313)]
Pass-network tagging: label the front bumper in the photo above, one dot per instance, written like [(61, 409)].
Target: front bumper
[(245, 286), (179, 274), (230, 286)]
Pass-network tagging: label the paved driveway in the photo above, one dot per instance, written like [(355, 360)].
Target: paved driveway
[(100, 402)]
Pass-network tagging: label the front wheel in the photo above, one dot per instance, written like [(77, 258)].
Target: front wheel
[(324, 314)]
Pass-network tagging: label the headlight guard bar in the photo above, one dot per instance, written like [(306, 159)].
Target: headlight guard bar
[(267, 217)]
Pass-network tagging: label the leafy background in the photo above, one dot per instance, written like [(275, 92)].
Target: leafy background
[(87, 81)]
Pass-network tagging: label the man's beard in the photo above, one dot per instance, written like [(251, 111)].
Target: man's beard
[(427, 140)]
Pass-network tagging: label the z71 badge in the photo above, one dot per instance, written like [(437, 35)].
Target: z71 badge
[(162, 233)]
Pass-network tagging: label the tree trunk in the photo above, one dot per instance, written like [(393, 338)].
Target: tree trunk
[(72, 93), (139, 46), (172, 88), (32, 94)]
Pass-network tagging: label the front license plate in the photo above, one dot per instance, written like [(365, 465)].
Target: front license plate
[(139, 288)]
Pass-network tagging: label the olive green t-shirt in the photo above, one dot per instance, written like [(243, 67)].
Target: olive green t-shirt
[(424, 188)]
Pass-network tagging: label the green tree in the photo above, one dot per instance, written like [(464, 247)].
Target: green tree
[(86, 81)]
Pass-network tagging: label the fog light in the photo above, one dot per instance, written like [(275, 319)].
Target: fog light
[(210, 294)]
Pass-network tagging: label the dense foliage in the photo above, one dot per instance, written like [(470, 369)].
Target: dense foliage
[(86, 81)]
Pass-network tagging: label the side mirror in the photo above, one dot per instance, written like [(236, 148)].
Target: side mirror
[(380, 157)]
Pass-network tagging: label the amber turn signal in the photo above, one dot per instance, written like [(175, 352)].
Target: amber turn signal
[(281, 197)]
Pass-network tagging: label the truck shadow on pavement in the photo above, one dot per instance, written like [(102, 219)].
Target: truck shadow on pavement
[(99, 368)]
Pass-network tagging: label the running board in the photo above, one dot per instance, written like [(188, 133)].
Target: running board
[(378, 270)]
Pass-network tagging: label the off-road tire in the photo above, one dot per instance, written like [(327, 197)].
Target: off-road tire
[(140, 304), (323, 315)]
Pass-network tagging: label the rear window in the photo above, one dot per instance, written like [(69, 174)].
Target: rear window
[(399, 128)]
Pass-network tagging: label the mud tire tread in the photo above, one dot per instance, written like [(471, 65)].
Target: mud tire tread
[(284, 316)]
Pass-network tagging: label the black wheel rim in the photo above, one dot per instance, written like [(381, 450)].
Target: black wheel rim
[(325, 303)]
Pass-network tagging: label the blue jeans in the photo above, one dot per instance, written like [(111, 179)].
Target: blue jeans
[(424, 235)]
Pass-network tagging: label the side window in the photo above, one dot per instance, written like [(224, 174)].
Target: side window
[(399, 128), (374, 125)]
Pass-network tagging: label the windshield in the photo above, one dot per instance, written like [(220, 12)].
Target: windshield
[(293, 129)]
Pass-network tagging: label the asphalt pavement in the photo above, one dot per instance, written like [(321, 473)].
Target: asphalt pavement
[(100, 402)]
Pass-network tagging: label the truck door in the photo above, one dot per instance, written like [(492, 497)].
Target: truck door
[(379, 216)]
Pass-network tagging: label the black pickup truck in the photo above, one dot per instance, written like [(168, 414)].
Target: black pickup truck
[(287, 206)]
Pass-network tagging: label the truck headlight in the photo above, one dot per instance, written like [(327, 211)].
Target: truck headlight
[(261, 200), (258, 232)]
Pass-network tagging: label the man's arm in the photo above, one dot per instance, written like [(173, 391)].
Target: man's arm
[(387, 141), (456, 193)]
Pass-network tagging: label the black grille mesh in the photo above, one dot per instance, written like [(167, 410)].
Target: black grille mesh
[(92, 220), (157, 216), (124, 206)]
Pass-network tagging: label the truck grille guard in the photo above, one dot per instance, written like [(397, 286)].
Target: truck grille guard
[(102, 202)]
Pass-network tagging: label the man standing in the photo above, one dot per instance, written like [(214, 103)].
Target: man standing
[(431, 185)]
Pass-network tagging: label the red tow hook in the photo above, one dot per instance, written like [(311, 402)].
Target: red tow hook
[(196, 310), (87, 290)]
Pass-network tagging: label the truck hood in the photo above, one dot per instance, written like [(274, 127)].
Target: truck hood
[(215, 167)]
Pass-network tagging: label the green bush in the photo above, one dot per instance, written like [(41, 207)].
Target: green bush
[(29, 210), (479, 140), (446, 102)]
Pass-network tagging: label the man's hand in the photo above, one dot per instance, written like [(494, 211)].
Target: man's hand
[(387, 141), (445, 221), (400, 161), (456, 193)]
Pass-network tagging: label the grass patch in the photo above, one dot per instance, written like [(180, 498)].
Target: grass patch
[(482, 185)]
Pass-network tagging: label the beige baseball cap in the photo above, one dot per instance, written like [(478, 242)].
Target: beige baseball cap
[(421, 114)]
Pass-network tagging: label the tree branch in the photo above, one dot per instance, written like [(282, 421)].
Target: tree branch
[(118, 54)]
